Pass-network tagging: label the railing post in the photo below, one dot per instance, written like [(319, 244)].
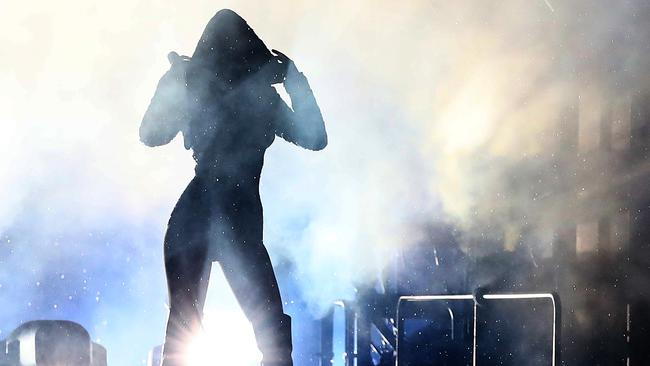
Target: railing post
[(327, 339)]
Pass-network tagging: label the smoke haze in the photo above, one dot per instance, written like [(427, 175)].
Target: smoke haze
[(432, 109)]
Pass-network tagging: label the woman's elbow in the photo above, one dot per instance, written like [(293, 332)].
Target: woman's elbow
[(318, 144), (150, 138), (148, 142), (145, 137)]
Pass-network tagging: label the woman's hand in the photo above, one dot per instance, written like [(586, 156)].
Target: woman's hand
[(179, 64), (177, 61), (291, 69)]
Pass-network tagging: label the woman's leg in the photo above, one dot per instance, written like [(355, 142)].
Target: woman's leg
[(188, 269), (187, 278), (248, 269)]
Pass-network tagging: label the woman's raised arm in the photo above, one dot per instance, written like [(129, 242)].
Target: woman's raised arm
[(304, 125), (168, 111)]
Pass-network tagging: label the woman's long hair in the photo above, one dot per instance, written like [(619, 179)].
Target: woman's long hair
[(230, 49), (228, 53)]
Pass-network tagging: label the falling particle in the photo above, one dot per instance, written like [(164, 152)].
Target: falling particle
[(62, 276), (55, 306), (549, 6)]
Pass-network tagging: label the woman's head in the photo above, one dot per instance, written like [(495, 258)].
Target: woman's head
[(230, 48)]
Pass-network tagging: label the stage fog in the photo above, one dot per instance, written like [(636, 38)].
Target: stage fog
[(505, 142)]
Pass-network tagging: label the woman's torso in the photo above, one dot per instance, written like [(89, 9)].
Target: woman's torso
[(230, 133)]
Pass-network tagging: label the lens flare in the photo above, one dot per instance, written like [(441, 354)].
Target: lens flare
[(227, 338)]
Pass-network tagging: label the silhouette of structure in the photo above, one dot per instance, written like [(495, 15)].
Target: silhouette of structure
[(595, 259), (50, 343), (223, 102)]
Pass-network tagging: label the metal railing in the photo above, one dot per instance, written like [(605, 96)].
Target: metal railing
[(477, 300)]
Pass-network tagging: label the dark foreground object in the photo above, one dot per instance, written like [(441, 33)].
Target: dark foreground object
[(51, 343), (446, 330)]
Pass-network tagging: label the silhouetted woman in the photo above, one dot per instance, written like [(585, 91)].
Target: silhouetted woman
[(222, 101)]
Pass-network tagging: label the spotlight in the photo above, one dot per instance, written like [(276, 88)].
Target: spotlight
[(227, 338)]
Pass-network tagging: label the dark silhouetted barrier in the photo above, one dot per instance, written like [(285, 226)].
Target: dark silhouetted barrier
[(51, 343)]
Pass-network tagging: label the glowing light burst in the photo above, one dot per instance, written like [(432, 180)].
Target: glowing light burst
[(227, 337)]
